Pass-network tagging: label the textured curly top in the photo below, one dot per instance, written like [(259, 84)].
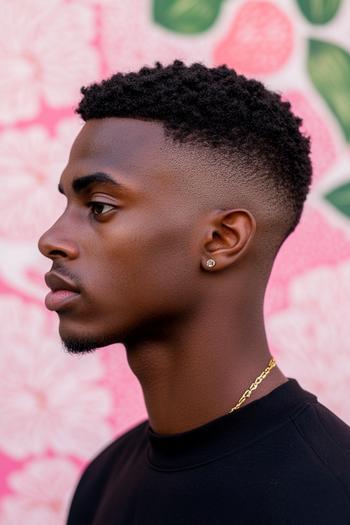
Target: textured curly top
[(221, 110)]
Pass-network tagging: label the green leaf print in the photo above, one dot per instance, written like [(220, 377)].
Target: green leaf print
[(340, 198), (329, 69), (186, 16), (319, 11)]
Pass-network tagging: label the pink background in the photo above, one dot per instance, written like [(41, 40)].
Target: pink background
[(58, 411)]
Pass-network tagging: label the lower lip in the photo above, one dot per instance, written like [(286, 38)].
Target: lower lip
[(54, 300)]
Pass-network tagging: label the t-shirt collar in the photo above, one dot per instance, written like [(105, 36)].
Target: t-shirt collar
[(227, 433)]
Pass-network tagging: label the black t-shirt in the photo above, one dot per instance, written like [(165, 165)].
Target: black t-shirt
[(281, 459)]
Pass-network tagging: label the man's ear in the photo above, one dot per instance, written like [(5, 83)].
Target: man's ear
[(227, 237)]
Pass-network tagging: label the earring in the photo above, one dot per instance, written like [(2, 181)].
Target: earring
[(210, 263)]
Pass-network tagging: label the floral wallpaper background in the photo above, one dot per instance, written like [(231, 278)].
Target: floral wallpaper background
[(58, 411)]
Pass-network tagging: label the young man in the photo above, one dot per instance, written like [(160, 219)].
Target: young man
[(181, 187)]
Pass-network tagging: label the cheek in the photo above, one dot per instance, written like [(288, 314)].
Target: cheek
[(144, 263), (158, 273), (144, 271)]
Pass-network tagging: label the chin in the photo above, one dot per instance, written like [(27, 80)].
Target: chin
[(84, 344)]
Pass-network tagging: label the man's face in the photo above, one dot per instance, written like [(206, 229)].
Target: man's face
[(131, 256)]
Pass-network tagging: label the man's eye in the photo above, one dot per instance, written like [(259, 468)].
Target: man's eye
[(97, 207)]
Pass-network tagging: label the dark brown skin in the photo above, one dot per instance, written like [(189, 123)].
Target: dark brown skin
[(194, 336)]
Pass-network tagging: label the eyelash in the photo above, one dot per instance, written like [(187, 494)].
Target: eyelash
[(93, 203)]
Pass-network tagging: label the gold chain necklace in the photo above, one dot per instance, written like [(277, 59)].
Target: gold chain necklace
[(254, 385)]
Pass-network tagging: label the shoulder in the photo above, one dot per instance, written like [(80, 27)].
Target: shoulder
[(94, 478), (98, 469), (328, 438), (117, 446), (333, 434)]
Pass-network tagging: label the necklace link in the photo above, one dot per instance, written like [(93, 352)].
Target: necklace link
[(254, 385)]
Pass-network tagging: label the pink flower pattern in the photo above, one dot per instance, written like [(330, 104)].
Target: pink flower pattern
[(312, 335), (41, 493), (50, 398), (259, 41), (146, 43), (30, 165), (46, 52)]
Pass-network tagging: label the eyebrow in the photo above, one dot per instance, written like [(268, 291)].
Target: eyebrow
[(83, 183)]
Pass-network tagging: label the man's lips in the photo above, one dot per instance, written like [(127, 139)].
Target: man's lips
[(55, 300), (63, 291), (56, 282)]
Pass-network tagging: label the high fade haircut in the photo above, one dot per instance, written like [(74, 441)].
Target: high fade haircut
[(243, 125)]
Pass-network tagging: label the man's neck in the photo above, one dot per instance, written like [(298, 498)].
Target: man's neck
[(202, 373)]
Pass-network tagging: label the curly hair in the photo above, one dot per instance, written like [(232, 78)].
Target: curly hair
[(235, 117)]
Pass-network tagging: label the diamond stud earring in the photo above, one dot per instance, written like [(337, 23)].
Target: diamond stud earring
[(210, 263)]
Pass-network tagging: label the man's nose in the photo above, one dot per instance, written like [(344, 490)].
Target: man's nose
[(54, 243)]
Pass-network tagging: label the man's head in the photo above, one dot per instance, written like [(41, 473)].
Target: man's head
[(213, 166)]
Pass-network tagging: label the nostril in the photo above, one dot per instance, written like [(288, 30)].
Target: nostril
[(57, 252)]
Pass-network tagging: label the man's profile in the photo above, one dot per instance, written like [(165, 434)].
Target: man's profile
[(181, 187)]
